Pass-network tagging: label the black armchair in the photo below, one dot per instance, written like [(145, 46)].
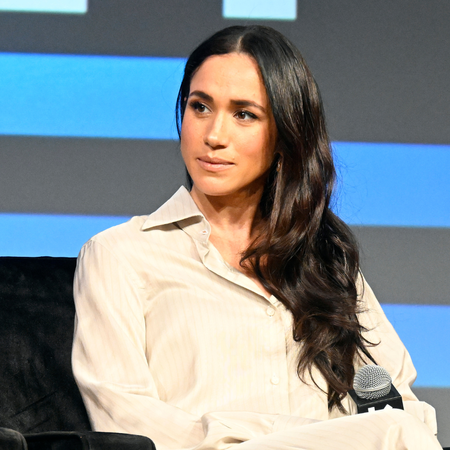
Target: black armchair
[(40, 405)]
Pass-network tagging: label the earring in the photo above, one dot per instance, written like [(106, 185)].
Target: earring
[(279, 165)]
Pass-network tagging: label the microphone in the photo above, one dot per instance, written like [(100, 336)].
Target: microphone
[(373, 390)]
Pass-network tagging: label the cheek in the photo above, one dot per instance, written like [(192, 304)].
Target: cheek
[(190, 132), (262, 148), (186, 138), (184, 148)]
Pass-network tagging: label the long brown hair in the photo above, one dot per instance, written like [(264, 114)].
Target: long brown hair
[(305, 256)]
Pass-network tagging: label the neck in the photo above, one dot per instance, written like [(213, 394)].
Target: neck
[(235, 214), (234, 225)]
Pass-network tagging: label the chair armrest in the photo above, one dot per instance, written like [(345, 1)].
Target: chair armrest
[(11, 440), (87, 440)]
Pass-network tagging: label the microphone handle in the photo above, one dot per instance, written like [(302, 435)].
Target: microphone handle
[(389, 401)]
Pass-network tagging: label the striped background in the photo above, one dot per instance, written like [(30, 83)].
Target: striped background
[(87, 135)]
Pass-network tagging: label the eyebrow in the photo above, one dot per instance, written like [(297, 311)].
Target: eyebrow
[(247, 103)]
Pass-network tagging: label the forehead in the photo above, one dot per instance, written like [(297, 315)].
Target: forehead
[(234, 75)]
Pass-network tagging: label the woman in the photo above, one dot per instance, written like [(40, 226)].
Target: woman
[(235, 314)]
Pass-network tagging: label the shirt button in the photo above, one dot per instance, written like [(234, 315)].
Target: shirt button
[(204, 231), (275, 380), (270, 312)]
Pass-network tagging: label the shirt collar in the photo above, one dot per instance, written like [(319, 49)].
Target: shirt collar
[(180, 207), (182, 210)]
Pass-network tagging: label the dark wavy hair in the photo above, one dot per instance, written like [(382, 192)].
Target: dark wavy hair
[(305, 256)]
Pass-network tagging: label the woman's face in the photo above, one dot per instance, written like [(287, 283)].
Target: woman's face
[(228, 134)]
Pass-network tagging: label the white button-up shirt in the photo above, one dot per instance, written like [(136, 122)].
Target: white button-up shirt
[(170, 339)]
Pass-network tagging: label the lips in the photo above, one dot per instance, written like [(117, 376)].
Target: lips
[(214, 164), (209, 160)]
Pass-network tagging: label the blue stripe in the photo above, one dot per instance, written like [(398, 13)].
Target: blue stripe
[(48, 6), (394, 184), (260, 9), (425, 332), (89, 96), (48, 235)]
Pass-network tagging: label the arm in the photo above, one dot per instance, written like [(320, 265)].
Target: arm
[(391, 354), (109, 354)]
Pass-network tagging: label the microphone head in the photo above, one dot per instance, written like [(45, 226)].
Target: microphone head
[(372, 382)]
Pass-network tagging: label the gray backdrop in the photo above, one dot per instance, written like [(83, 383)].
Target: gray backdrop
[(383, 69)]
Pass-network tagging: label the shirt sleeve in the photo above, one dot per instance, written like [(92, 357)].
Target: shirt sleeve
[(111, 369), (390, 353)]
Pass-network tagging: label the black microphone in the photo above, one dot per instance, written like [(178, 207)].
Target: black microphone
[(373, 390)]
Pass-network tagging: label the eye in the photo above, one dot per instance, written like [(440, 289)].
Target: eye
[(245, 115), (198, 107)]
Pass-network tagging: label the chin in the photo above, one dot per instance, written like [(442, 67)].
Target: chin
[(212, 189)]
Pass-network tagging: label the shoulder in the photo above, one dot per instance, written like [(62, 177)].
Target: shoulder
[(108, 252), (114, 242), (368, 303), (143, 243), (126, 232), (378, 329), (141, 231)]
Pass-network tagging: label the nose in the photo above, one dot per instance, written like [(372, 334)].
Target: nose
[(216, 133)]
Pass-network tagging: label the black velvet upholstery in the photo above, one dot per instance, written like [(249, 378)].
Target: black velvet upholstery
[(71, 440), (40, 405), (88, 441), (37, 389)]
